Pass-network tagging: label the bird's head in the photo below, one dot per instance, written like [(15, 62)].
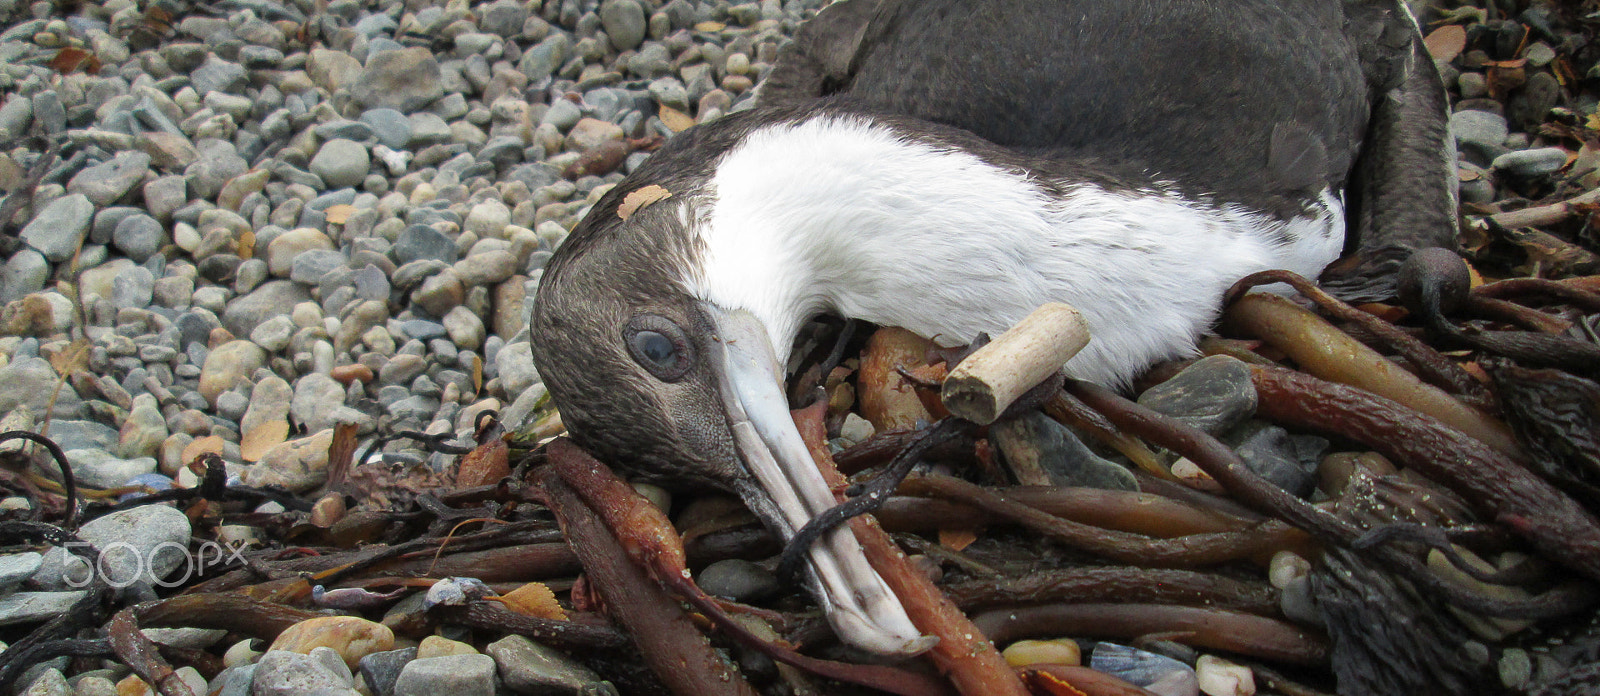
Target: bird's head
[(650, 377), (625, 350)]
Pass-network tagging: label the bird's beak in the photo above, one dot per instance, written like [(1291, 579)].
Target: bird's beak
[(789, 490)]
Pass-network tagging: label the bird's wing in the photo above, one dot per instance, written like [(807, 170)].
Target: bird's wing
[(822, 58), (1402, 191)]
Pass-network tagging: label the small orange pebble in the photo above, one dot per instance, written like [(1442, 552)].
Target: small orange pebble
[(1060, 651)]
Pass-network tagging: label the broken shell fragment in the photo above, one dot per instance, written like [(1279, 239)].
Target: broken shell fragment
[(1219, 677), (1156, 673)]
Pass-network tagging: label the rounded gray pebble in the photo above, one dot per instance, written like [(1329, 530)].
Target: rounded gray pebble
[(738, 580), (341, 163)]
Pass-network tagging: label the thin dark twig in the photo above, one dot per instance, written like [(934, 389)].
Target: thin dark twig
[(871, 496), (1513, 287), (847, 332), (432, 443), (87, 612), (68, 481), (40, 532), (245, 494), (477, 422)]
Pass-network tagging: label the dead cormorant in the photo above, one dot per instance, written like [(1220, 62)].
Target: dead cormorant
[(948, 165)]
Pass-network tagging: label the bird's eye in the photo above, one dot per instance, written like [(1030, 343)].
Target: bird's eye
[(660, 346)]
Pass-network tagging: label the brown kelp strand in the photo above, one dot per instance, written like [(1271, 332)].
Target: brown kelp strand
[(1218, 629), (1104, 585), (139, 652), (1074, 680), (1185, 551), (678, 653), (1437, 281), (643, 533), (1127, 511), (1557, 415), (1516, 315), (964, 653), (1434, 367), (1559, 291), (230, 611), (1321, 349), (567, 635)]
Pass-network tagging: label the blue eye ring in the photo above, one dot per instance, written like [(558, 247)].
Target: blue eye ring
[(660, 346)]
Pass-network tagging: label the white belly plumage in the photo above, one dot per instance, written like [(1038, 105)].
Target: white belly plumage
[(839, 214)]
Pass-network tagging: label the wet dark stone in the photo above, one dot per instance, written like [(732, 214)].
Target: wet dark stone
[(1035, 440), (1275, 455), (738, 580), (380, 670), (1214, 394)]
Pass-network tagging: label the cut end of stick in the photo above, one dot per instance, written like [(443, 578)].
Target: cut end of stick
[(985, 384)]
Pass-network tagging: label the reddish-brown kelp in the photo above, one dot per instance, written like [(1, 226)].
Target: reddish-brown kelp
[(1438, 281), (1587, 300), (1073, 680), (963, 653), (645, 535), (232, 611), (678, 653), (568, 635), (1137, 585), (139, 652), (1515, 314), (1222, 464), (1498, 486)]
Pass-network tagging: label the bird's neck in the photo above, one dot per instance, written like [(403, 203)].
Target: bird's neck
[(839, 214), (830, 214)]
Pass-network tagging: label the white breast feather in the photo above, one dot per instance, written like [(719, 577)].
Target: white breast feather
[(836, 214)]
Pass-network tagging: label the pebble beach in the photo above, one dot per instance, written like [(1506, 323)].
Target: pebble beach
[(251, 231), (271, 218)]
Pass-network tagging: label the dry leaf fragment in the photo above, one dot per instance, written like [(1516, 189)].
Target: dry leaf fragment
[(1043, 682), (338, 214), (675, 119), (485, 464), (1446, 42), (1513, 63), (639, 198), (957, 539), (246, 247), (70, 59), (209, 444), (73, 358), (262, 438), (534, 599)]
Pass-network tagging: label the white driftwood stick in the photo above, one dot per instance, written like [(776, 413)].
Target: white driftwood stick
[(985, 384)]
